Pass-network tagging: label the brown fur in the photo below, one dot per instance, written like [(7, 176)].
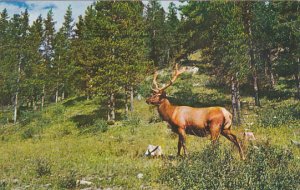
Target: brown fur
[(194, 121)]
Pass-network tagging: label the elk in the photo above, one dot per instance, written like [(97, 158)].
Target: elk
[(185, 120)]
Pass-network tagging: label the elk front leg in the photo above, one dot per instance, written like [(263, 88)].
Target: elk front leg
[(181, 141)]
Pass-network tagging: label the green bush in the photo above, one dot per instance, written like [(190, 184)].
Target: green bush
[(277, 116), (59, 110), (3, 185), (144, 89), (99, 125), (133, 121), (68, 181), (266, 167), (42, 167), (28, 116), (28, 133)]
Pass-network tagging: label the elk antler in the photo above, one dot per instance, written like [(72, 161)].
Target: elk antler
[(175, 75), (156, 89)]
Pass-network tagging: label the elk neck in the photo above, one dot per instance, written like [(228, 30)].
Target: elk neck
[(166, 109)]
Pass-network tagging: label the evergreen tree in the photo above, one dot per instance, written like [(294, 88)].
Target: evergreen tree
[(17, 57), (4, 47), (62, 58), (48, 55), (173, 36), (35, 67), (156, 32)]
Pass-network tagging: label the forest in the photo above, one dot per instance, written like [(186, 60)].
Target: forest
[(87, 82)]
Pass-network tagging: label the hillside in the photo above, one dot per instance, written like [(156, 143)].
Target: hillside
[(68, 141)]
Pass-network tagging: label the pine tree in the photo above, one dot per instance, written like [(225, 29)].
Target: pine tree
[(4, 46), (156, 32), (48, 55), (62, 58), (18, 57), (35, 68)]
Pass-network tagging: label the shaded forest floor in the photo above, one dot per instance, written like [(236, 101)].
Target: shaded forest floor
[(67, 142)]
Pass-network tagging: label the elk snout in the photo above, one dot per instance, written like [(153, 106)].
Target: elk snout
[(148, 101)]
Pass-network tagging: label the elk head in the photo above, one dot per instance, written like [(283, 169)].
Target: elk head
[(159, 94)]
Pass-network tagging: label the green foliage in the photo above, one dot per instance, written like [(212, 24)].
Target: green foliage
[(28, 133), (99, 125), (144, 89), (42, 167), (266, 167), (27, 116), (59, 110), (68, 181), (133, 121), (3, 185), (282, 115)]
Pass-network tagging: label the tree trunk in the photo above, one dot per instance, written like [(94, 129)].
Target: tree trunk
[(131, 99), (126, 103), (63, 92), (268, 69), (113, 104), (111, 108), (297, 77), (255, 85), (235, 101), (17, 92), (248, 26), (57, 83), (238, 100), (56, 93), (43, 97), (34, 105)]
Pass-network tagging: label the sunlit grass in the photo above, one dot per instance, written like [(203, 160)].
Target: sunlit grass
[(53, 149)]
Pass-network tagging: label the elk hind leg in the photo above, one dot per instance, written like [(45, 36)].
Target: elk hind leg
[(181, 141), (228, 134), (215, 129)]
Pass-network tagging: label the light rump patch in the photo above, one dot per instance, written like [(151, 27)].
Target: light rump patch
[(189, 120)]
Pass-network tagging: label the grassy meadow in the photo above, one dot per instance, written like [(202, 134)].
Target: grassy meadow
[(69, 141)]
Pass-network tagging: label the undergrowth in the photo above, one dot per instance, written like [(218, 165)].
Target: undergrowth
[(266, 167)]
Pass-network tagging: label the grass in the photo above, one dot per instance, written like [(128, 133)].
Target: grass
[(67, 142)]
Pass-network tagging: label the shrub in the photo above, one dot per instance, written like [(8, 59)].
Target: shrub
[(144, 89), (59, 110), (68, 181), (28, 133), (266, 167), (28, 116), (155, 118), (133, 121), (286, 114), (31, 132), (99, 125), (3, 184), (42, 167)]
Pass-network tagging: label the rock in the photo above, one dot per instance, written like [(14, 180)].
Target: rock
[(295, 143), (15, 181), (193, 70), (140, 176), (249, 136), (153, 151), (83, 182), (139, 97)]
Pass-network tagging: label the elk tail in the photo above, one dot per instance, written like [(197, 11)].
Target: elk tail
[(227, 119)]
